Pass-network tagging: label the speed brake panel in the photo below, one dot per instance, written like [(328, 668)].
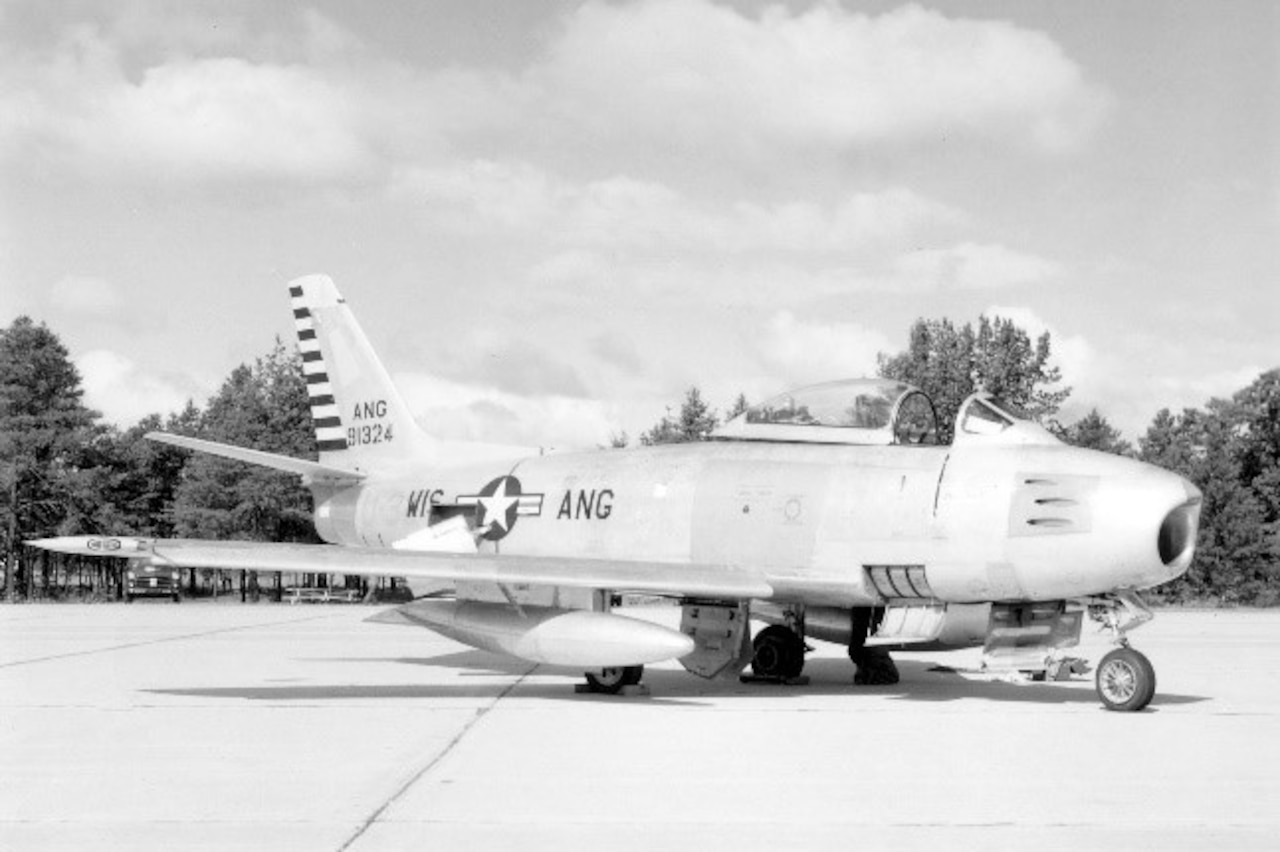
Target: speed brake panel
[(721, 635)]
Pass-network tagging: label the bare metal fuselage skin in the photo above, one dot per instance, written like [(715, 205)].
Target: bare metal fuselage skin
[(827, 525)]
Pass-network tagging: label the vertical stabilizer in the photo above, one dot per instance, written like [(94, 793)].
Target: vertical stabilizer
[(360, 419)]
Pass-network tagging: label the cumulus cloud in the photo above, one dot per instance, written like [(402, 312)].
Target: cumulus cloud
[(800, 351), (687, 72), (623, 212), (463, 411), (107, 100), (641, 233), (715, 86), (125, 393), (202, 118)]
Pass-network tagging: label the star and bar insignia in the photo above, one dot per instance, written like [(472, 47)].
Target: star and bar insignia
[(499, 504)]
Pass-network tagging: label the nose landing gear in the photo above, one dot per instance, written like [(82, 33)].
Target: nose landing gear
[(1126, 680)]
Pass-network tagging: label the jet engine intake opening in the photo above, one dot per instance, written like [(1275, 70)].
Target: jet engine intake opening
[(1177, 538)]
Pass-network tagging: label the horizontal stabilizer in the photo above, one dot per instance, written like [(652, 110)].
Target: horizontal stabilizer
[(659, 578), (312, 471)]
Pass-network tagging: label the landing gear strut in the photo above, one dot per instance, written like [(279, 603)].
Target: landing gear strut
[(1126, 680), (875, 666)]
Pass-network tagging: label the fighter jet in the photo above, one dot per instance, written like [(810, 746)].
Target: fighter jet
[(829, 513)]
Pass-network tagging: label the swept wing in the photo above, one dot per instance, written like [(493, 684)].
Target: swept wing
[(660, 578)]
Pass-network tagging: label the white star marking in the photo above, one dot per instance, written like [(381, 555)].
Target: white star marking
[(497, 504)]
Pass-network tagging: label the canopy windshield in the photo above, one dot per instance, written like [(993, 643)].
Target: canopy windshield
[(984, 417), (860, 411)]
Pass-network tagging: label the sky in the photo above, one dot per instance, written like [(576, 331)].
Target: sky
[(553, 218)]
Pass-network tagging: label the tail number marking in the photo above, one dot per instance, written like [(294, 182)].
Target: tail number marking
[(370, 433), (374, 433)]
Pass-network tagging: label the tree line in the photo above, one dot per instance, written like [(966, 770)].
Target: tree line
[(63, 471)]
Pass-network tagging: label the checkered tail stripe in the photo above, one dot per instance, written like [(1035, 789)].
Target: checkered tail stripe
[(330, 436)]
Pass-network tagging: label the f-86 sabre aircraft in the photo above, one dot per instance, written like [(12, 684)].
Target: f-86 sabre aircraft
[(831, 513)]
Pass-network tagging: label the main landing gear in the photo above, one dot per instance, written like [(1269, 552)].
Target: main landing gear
[(1126, 680), (874, 665), (779, 649), (779, 654)]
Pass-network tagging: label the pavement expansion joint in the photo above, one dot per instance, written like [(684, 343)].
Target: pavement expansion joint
[(434, 761)]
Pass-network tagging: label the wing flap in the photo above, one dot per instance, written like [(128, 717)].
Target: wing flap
[(691, 580)]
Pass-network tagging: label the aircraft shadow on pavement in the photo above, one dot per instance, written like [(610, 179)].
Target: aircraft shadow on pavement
[(922, 681), (469, 663)]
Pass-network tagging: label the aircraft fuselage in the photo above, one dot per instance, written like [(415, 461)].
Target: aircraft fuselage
[(827, 524)]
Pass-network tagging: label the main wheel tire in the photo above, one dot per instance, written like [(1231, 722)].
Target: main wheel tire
[(611, 680), (779, 653), (1126, 681), (875, 667)]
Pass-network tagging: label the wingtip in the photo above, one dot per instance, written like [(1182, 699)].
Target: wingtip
[(60, 544)]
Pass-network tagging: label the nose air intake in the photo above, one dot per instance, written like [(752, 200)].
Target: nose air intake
[(1176, 540)]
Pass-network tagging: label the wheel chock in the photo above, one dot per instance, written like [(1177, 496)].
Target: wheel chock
[(801, 680), (631, 690)]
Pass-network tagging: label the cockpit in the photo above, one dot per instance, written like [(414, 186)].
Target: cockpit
[(856, 411), (876, 412)]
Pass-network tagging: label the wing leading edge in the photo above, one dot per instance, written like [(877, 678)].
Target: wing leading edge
[(683, 580)]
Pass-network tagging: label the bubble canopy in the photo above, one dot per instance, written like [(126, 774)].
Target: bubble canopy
[(854, 411)]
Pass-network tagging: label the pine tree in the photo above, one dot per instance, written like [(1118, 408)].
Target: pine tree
[(43, 429), (1094, 432), (950, 363), (695, 422), (263, 407)]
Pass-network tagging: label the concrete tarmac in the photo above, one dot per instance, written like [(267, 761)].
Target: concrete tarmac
[(209, 726)]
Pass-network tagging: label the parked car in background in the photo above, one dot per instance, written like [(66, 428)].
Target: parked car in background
[(151, 581)]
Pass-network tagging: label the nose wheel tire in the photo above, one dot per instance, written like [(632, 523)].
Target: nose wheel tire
[(779, 653), (1126, 681), (611, 680)]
